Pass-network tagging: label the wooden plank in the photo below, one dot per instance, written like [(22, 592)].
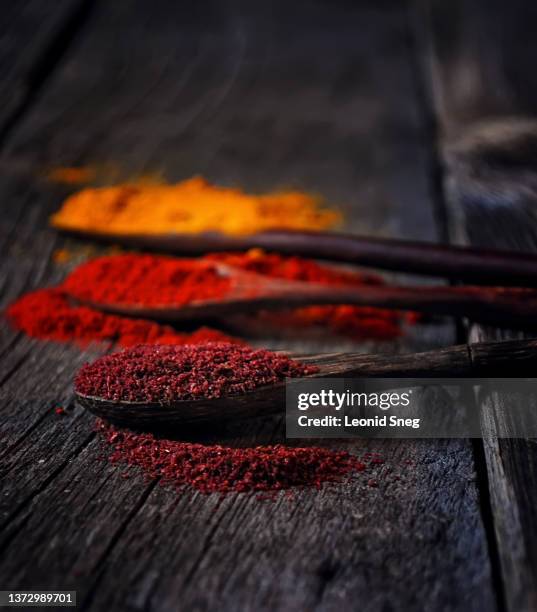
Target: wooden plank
[(285, 94), (482, 54), (482, 69), (33, 39)]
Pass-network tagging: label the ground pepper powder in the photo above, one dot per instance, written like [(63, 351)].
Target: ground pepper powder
[(221, 469), (163, 374), (47, 314)]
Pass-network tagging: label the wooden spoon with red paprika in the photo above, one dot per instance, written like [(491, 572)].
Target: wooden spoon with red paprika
[(247, 292)]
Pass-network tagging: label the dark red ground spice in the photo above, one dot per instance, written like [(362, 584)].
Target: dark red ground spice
[(145, 280), (221, 469), (47, 314), (152, 373)]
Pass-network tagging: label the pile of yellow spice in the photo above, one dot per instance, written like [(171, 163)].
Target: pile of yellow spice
[(189, 207)]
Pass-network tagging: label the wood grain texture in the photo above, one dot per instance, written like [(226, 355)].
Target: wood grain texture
[(33, 39), (314, 95), (482, 81)]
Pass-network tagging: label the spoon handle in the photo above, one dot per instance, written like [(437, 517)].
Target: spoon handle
[(516, 359), (515, 308), (493, 305), (471, 265)]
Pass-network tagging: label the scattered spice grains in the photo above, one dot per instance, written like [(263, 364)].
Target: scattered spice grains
[(152, 373), (47, 314), (71, 175), (220, 469), (61, 256), (146, 280)]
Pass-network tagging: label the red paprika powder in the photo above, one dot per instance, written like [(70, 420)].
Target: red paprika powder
[(145, 280), (150, 279), (47, 314), (153, 279), (357, 322)]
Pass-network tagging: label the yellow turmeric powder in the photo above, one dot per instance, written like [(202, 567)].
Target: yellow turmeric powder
[(192, 206)]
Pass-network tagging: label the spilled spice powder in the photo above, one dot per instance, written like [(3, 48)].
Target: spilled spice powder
[(152, 373), (221, 469), (71, 175), (357, 322), (191, 206), (61, 256), (47, 314)]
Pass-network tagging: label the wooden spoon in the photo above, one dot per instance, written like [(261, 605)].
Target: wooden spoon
[(517, 358), (251, 292), (478, 266)]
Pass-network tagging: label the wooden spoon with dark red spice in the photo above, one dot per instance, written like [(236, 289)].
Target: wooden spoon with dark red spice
[(517, 359), (250, 292)]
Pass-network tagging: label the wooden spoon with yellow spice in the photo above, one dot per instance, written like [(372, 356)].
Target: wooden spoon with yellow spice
[(193, 217)]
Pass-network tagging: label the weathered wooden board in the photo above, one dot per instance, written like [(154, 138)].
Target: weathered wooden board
[(33, 39), (482, 58), (309, 94)]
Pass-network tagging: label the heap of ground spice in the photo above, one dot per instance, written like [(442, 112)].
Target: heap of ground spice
[(145, 280), (152, 279), (221, 469), (152, 373), (358, 322), (47, 314), (191, 206)]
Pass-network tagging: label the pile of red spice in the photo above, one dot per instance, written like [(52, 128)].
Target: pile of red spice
[(47, 314), (146, 280), (153, 373), (358, 322), (294, 268), (220, 469), (151, 279)]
